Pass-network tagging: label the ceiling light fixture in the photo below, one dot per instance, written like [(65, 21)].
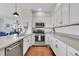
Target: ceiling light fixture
[(15, 13)]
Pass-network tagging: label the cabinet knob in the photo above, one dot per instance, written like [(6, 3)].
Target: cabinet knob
[(61, 22), (56, 46), (76, 54), (28, 41)]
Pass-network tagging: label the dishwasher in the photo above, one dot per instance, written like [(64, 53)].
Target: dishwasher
[(16, 49)]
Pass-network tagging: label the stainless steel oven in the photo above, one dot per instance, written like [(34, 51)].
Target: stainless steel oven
[(39, 38)]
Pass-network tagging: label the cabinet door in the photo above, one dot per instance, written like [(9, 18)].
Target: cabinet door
[(59, 47), (53, 46), (72, 51), (74, 13), (25, 45), (65, 14), (58, 18), (54, 20), (2, 52), (27, 42), (47, 39)]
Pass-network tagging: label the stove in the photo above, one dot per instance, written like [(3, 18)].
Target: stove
[(39, 36), (39, 33)]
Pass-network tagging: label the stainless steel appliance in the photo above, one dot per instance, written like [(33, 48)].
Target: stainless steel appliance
[(15, 49), (39, 38), (39, 33), (39, 25)]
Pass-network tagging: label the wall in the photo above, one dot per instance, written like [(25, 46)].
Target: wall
[(23, 19), (42, 17)]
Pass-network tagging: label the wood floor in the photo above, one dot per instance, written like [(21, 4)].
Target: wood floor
[(39, 50)]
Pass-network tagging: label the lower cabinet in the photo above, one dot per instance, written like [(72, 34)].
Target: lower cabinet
[(27, 42), (62, 49), (47, 39), (2, 52), (72, 51), (59, 48)]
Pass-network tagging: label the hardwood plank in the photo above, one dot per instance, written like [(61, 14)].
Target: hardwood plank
[(40, 50)]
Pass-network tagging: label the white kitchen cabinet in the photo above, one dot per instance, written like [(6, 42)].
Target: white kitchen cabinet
[(74, 13), (65, 14), (47, 41), (52, 45), (54, 20), (27, 42), (72, 51), (2, 52), (58, 47), (58, 18), (61, 48)]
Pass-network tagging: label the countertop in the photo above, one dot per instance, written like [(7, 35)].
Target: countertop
[(70, 40), (10, 39)]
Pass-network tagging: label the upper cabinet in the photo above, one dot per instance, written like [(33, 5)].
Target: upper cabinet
[(74, 13), (61, 17), (58, 18), (65, 14), (54, 20)]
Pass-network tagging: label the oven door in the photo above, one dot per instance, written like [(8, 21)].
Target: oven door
[(39, 38), (43, 38)]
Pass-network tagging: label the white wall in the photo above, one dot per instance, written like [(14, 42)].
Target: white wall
[(27, 19), (1, 24), (23, 20), (42, 17)]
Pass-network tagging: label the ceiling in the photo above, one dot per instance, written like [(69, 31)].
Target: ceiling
[(6, 9)]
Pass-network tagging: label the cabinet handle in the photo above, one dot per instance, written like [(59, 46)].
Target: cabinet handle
[(56, 46), (28, 41), (76, 54), (56, 40)]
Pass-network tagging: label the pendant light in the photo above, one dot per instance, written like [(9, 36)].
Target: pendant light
[(15, 13)]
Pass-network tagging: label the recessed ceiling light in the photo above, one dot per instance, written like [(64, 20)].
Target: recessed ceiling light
[(39, 9)]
